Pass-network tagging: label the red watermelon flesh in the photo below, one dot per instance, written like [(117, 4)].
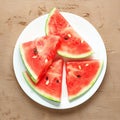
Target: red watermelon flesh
[(58, 25), (50, 85), (81, 75), (38, 55)]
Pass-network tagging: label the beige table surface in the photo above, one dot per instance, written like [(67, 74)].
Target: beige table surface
[(14, 17)]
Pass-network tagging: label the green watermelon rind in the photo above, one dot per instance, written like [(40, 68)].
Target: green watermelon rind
[(47, 21), (31, 73), (63, 53), (67, 55), (38, 91), (87, 88)]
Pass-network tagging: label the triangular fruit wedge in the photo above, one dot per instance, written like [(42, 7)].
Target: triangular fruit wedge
[(38, 55), (72, 44), (81, 76), (51, 84)]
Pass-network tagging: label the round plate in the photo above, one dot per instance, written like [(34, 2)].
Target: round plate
[(37, 28)]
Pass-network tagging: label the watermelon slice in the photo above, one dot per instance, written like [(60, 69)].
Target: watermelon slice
[(50, 85), (81, 75), (72, 44), (38, 55)]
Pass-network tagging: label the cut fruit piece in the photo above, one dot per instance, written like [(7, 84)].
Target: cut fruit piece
[(72, 44), (51, 84), (81, 76), (38, 55)]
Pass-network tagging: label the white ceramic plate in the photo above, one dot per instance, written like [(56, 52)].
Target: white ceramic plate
[(37, 28)]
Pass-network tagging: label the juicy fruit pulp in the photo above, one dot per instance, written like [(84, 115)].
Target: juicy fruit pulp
[(44, 72), (50, 85), (80, 76), (38, 55), (56, 24)]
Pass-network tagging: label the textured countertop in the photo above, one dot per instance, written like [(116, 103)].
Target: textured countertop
[(15, 15)]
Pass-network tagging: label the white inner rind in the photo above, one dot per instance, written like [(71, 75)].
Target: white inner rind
[(47, 21), (68, 55)]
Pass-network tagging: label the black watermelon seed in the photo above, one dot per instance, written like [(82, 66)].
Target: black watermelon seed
[(46, 77), (66, 37), (35, 51), (57, 81), (78, 76)]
